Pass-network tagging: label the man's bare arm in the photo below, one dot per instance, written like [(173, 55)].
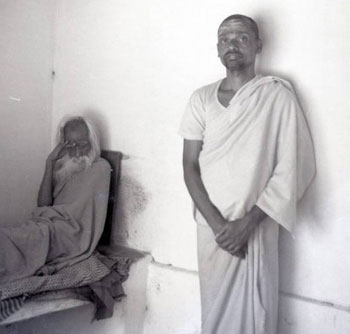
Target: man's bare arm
[(233, 236), (45, 197), (195, 186)]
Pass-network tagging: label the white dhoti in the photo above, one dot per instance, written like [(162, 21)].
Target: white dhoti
[(239, 295), (257, 151)]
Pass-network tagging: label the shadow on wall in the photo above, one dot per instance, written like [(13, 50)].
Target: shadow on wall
[(309, 206), (132, 201), (132, 198), (101, 126), (308, 218), (269, 40)]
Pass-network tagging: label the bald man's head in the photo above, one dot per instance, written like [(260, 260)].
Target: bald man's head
[(238, 43), (249, 22)]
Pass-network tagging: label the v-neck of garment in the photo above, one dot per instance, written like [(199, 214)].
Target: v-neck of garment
[(236, 95)]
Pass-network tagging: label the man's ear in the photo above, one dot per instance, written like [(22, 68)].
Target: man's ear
[(260, 46)]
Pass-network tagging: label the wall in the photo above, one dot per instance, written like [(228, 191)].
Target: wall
[(131, 66), (26, 44)]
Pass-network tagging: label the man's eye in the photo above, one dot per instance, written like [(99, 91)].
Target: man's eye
[(223, 40), (243, 39)]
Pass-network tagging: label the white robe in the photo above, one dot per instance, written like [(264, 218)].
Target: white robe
[(257, 151), (60, 235)]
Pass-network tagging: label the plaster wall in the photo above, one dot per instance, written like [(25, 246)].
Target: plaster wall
[(301, 316), (132, 65), (26, 43), (173, 301)]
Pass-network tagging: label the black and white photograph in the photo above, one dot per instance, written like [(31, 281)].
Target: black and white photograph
[(174, 167)]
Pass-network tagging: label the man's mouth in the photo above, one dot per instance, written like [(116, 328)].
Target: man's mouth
[(233, 55)]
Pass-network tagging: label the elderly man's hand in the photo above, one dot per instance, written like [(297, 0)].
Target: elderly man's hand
[(57, 152)]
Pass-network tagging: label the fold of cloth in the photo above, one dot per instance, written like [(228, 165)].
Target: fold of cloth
[(10, 306), (98, 279), (109, 289), (85, 272), (239, 295)]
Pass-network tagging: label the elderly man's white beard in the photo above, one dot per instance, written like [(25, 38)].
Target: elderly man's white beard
[(66, 167)]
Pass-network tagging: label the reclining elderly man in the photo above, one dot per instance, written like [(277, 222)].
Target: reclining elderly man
[(72, 204)]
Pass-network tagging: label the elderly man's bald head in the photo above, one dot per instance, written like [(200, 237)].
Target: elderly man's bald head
[(244, 19)]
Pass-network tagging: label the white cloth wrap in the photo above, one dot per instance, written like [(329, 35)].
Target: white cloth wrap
[(257, 151)]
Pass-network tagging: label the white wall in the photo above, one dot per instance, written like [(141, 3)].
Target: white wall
[(26, 44), (131, 65)]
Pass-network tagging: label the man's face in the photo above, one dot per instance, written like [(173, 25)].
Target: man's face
[(237, 45), (77, 138)]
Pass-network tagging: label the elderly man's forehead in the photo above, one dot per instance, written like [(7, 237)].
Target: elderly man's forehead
[(235, 26), (76, 125)]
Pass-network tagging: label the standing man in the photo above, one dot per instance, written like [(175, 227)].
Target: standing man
[(248, 158)]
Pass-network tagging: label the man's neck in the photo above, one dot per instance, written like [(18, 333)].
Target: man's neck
[(236, 79)]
